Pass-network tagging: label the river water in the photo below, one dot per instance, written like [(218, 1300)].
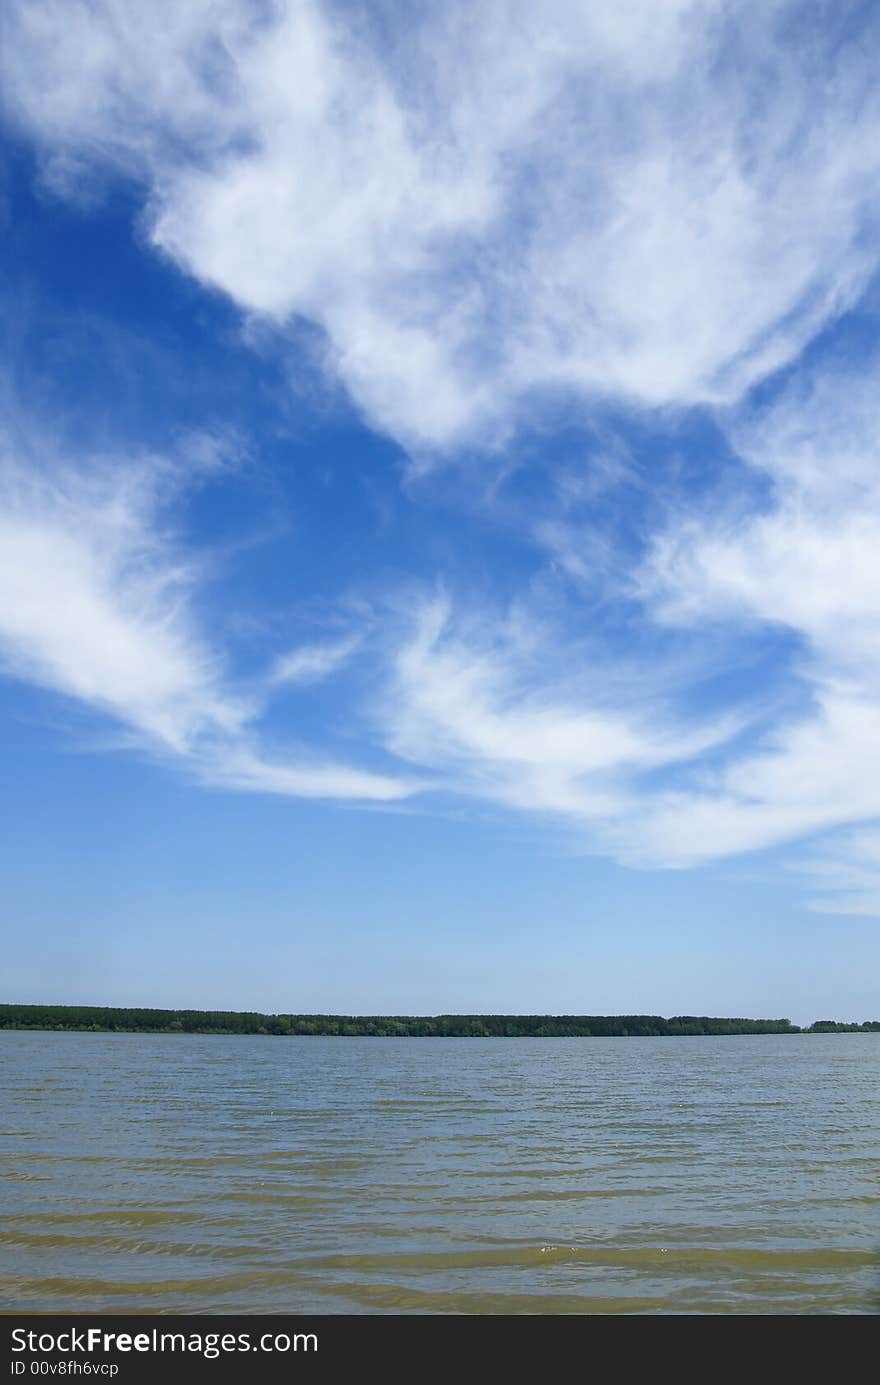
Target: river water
[(185, 1174)]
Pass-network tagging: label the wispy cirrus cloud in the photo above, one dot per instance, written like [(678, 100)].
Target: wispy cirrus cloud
[(489, 704), (93, 604), (581, 200), (310, 663), (806, 562), (97, 604), (811, 775), (845, 873), (654, 205), (806, 558), (248, 770)]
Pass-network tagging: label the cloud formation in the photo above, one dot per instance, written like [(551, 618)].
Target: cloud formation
[(470, 699), (487, 211), (807, 562), (96, 603), (494, 204), (311, 663), (92, 605), (846, 874)]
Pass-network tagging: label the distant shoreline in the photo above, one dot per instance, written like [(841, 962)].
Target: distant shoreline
[(102, 1019)]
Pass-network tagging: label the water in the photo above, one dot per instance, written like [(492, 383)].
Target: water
[(209, 1174)]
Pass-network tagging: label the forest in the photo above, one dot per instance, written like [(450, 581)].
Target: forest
[(111, 1019)]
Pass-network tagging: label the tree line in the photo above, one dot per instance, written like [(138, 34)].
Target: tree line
[(110, 1019)]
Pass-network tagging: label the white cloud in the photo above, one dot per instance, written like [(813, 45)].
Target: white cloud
[(239, 767), (93, 604), (809, 558), (475, 704), (816, 774), (96, 603), (846, 872), (808, 563), (656, 202), (504, 200), (311, 663)]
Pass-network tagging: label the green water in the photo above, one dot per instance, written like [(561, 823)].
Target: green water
[(211, 1174)]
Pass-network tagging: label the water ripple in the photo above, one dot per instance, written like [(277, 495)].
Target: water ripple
[(214, 1174)]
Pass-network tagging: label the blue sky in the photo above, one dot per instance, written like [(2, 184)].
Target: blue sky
[(439, 515)]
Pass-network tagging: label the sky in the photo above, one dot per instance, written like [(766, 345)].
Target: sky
[(439, 507)]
